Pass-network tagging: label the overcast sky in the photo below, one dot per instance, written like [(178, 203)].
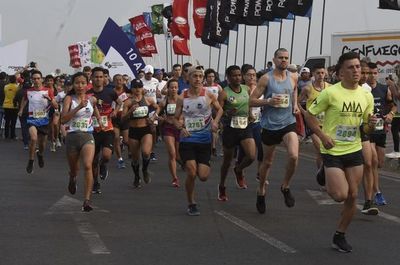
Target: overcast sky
[(50, 26)]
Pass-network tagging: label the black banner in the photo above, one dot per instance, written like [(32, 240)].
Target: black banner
[(231, 10), (280, 8), (267, 13), (389, 4), (252, 13), (213, 33), (300, 7)]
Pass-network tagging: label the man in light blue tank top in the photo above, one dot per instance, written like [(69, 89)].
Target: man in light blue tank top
[(278, 122)]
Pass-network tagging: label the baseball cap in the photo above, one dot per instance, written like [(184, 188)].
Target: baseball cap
[(148, 69), (305, 70), (136, 83), (196, 68)]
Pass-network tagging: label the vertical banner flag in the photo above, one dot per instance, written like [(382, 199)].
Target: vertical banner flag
[(128, 30), (281, 9), (209, 21), (157, 19), (147, 19), (144, 38), (96, 55), (230, 11), (180, 46), (84, 52), (167, 21), (113, 36), (217, 33), (389, 4), (74, 60), (300, 7), (179, 26), (251, 14), (199, 14)]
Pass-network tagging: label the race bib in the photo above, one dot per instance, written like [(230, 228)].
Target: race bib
[(140, 112), (256, 114), (379, 124), (284, 100), (103, 119), (239, 122), (123, 97), (80, 125), (213, 90), (194, 124), (38, 114), (346, 133), (171, 109)]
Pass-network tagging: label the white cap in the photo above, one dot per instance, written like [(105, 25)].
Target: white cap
[(305, 70), (148, 69)]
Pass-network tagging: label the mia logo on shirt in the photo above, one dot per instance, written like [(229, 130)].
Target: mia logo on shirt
[(351, 107)]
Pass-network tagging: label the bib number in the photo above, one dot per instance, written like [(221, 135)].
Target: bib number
[(346, 133), (379, 124), (38, 114), (256, 114), (171, 109), (239, 122), (103, 119), (284, 100), (140, 112), (194, 124), (80, 125)]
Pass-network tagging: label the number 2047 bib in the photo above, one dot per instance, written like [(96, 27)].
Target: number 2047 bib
[(346, 133)]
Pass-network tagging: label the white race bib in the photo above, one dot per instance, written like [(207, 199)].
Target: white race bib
[(379, 124), (346, 133), (81, 124), (194, 124), (38, 114), (171, 109), (239, 122), (256, 114), (285, 100), (140, 112), (104, 121)]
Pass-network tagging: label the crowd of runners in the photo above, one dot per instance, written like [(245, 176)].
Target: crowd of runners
[(343, 111)]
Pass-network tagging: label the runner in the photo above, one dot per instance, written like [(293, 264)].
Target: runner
[(384, 109), (211, 86), (368, 177), (136, 110), (278, 122), (234, 100), (346, 106), (103, 136), (195, 145), (309, 93), (120, 128), (169, 131), (39, 100), (77, 114)]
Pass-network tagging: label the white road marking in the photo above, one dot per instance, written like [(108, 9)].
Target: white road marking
[(321, 198), (256, 232), (71, 206), (92, 238)]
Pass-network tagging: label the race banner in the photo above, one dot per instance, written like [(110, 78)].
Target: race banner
[(147, 19), (199, 14), (157, 19), (112, 37), (96, 55), (129, 32), (230, 11), (179, 26), (280, 8), (389, 4), (167, 21), (141, 46), (180, 46), (84, 52), (300, 7), (212, 26), (251, 14), (139, 25), (144, 37)]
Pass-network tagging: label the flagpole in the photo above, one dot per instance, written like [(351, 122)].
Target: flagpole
[(209, 57), (291, 45), (308, 37), (280, 33), (266, 49), (219, 58), (227, 53), (166, 55), (322, 27), (244, 43), (237, 37), (170, 53), (255, 48)]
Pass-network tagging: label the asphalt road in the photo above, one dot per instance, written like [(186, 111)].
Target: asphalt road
[(41, 223)]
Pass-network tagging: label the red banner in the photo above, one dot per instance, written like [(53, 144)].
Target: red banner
[(145, 41), (179, 25), (180, 46), (75, 60), (149, 41), (139, 25), (199, 14), (141, 46)]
